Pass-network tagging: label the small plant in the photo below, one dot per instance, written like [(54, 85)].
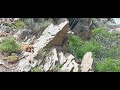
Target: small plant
[(108, 65), (9, 45), (12, 58), (36, 69), (18, 24)]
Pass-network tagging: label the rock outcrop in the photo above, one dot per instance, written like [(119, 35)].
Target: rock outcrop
[(83, 26), (59, 38), (44, 43), (70, 65), (29, 58), (47, 36), (87, 62)]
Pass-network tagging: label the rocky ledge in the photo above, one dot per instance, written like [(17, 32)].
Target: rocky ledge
[(44, 46)]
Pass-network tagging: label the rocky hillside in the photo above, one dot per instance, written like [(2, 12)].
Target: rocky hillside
[(58, 44)]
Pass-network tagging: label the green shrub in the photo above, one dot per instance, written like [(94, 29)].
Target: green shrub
[(103, 44), (74, 44), (108, 65), (18, 24), (9, 45), (110, 43), (36, 69), (97, 32), (78, 48), (90, 46), (105, 47)]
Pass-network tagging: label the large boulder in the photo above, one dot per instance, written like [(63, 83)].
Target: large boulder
[(29, 59), (57, 61), (60, 37), (87, 62)]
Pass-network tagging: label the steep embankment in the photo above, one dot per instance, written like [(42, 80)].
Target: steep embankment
[(41, 44)]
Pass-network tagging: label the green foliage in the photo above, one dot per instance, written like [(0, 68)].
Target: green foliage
[(103, 44), (110, 43), (18, 24), (98, 32), (36, 69), (9, 45), (78, 47), (105, 47), (108, 65), (12, 58), (74, 44), (90, 46)]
